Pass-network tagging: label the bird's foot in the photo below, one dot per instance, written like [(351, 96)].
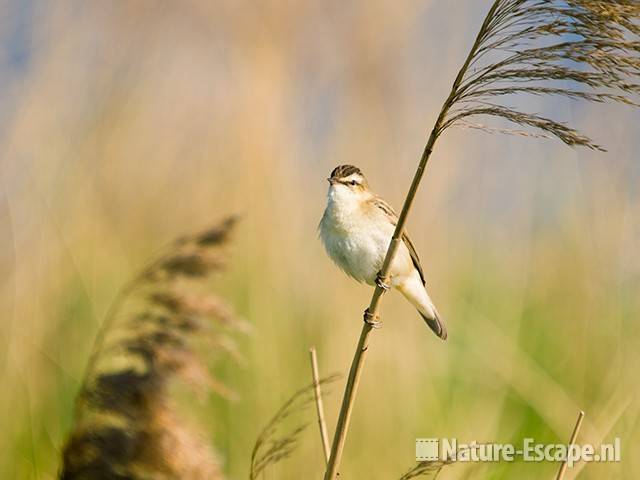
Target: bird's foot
[(380, 282), (371, 319)]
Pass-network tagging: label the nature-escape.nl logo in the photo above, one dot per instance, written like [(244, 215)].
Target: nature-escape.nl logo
[(449, 449)]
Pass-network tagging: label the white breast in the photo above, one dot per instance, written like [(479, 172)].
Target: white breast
[(356, 243)]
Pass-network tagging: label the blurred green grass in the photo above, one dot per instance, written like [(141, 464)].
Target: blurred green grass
[(133, 125)]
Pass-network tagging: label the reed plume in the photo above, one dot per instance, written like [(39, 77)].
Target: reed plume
[(277, 440), (126, 425), (580, 49), (426, 468)]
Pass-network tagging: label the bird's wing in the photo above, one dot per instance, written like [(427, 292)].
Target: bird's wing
[(414, 256), (393, 218)]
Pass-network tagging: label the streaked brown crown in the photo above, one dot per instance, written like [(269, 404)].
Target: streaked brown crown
[(344, 171)]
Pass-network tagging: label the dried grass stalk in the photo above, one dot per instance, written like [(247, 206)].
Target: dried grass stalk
[(574, 436), (126, 425), (580, 49), (317, 391)]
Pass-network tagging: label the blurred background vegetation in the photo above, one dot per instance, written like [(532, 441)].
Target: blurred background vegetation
[(126, 124)]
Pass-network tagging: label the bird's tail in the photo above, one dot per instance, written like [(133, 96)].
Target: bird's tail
[(414, 291), (435, 323)]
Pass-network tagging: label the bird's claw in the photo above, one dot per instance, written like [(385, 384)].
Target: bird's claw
[(380, 282), (370, 319)]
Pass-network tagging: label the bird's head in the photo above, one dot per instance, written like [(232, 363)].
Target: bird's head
[(348, 183)]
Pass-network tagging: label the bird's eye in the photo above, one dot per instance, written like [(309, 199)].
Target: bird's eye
[(353, 183)]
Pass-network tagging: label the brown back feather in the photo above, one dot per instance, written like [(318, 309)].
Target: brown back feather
[(393, 217)]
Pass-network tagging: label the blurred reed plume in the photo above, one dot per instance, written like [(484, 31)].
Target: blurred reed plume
[(126, 425), (538, 47), (277, 440), (426, 468)]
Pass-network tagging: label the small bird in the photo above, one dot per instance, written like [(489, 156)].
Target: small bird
[(356, 230)]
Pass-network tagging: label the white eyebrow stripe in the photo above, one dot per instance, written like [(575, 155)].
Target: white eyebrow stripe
[(353, 176)]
